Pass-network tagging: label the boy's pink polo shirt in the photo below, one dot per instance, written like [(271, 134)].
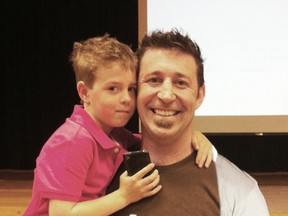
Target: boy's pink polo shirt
[(77, 162)]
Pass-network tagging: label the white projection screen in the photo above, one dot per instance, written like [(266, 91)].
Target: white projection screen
[(245, 47)]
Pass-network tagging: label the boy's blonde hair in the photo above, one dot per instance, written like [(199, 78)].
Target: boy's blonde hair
[(89, 55)]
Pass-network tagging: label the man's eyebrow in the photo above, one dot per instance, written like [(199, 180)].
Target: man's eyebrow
[(175, 74), (181, 75), (154, 73)]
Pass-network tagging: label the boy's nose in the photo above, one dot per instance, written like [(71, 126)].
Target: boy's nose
[(125, 97)]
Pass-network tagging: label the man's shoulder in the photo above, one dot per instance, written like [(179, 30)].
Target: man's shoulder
[(231, 174), (235, 185), (238, 191)]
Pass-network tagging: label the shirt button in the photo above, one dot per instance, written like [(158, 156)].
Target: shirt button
[(116, 150)]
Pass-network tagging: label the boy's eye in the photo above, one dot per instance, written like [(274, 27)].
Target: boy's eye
[(132, 89), (113, 88)]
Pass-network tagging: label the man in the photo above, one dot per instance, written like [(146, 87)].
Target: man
[(171, 87)]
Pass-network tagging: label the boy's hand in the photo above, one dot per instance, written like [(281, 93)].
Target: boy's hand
[(204, 147), (133, 188)]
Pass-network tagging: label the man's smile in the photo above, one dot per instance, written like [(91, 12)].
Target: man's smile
[(164, 113)]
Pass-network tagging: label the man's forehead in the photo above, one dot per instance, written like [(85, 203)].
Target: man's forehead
[(164, 60)]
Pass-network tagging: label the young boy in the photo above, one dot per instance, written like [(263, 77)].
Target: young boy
[(79, 160)]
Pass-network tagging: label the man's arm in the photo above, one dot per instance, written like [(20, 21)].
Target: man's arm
[(254, 204), (239, 192)]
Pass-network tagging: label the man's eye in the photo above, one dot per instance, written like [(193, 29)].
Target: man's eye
[(181, 83), (154, 80)]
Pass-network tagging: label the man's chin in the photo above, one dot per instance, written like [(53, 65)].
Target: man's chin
[(163, 124), (161, 129)]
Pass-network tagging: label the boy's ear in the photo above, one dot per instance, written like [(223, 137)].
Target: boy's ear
[(82, 90), (201, 96)]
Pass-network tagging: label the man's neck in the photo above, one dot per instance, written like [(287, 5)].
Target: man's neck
[(167, 151)]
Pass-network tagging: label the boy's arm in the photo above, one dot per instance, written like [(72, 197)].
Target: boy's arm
[(132, 189), (206, 151)]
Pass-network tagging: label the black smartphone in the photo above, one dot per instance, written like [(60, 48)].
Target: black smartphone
[(136, 160)]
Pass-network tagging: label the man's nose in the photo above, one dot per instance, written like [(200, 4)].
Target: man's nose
[(166, 93)]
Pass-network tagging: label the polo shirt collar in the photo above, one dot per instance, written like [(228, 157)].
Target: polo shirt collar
[(81, 117)]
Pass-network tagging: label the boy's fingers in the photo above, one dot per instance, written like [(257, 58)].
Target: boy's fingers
[(200, 163), (195, 141), (195, 144), (151, 178), (200, 158), (140, 174), (153, 183), (154, 191), (209, 160)]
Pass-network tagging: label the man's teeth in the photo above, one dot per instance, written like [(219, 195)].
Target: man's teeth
[(164, 112)]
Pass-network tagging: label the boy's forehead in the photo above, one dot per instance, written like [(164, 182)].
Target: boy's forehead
[(113, 69), (118, 64)]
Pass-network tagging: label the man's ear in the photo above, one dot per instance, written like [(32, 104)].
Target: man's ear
[(200, 96), (82, 90)]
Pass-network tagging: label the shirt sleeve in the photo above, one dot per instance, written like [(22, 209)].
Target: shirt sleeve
[(239, 192), (62, 169), (254, 204), (215, 153)]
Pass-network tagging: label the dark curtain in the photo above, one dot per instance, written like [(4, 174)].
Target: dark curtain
[(37, 79)]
